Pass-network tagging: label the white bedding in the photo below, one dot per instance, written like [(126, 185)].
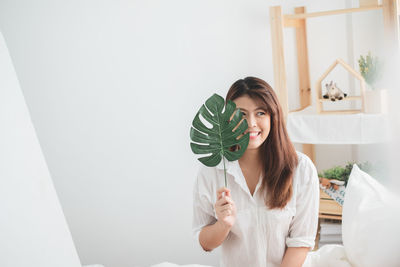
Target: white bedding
[(371, 216), (168, 264), (327, 256)]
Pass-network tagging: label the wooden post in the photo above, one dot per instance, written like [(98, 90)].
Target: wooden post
[(302, 61), (304, 72), (391, 27), (278, 59), (309, 150)]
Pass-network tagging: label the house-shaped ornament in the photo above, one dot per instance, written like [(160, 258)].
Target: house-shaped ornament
[(361, 97)]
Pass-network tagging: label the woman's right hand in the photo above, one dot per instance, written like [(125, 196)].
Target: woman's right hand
[(225, 208)]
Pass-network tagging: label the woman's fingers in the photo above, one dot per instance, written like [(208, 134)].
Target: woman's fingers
[(226, 212), (223, 201), (222, 190), (224, 208)]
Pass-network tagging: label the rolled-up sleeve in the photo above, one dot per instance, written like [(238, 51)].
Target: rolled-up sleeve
[(303, 227), (203, 211)]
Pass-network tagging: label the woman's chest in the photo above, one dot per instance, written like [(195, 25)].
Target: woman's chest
[(252, 214), (262, 221)]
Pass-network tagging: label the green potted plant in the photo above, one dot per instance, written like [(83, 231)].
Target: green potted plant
[(333, 177), (371, 69), (338, 175)]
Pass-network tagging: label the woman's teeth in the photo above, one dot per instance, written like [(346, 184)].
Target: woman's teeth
[(254, 135)]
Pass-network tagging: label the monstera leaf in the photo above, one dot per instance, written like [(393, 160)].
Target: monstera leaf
[(224, 133)]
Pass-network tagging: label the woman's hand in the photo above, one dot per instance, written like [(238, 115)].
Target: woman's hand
[(225, 208), (212, 236)]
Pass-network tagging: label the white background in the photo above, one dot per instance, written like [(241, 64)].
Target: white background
[(112, 88)]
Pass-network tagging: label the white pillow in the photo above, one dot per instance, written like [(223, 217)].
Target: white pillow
[(371, 220)]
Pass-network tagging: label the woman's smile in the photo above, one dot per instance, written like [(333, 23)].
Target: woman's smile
[(254, 135)]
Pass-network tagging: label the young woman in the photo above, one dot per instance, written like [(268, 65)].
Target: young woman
[(269, 214)]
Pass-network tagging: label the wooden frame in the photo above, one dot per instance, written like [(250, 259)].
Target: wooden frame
[(366, 3), (279, 21), (320, 99)]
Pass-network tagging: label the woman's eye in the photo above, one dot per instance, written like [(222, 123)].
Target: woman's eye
[(243, 114), (261, 113)]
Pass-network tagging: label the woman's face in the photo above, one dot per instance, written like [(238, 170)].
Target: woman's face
[(257, 119)]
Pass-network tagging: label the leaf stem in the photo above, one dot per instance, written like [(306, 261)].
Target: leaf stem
[(226, 185)]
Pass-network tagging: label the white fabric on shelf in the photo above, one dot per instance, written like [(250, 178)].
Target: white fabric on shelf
[(309, 127)]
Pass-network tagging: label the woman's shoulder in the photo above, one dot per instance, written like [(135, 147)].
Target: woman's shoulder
[(206, 171), (305, 171), (303, 159), (206, 176)]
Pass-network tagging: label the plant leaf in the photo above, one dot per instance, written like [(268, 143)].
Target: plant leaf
[(224, 133)]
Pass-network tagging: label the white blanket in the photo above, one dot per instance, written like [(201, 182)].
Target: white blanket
[(327, 256), (168, 264)]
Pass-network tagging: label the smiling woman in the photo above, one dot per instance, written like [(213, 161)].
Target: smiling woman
[(268, 216), (257, 118)]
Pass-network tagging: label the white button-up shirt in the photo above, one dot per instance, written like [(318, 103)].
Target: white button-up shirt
[(260, 235)]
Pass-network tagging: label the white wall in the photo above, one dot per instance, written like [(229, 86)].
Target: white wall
[(112, 87), (33, 227)]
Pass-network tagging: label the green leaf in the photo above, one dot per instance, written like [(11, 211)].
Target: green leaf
[(218, 140)]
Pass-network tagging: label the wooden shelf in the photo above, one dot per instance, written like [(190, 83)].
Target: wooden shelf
[(280, 21), (348, 98), (331, 12), (329, 208), (350, 111), (297, 121)]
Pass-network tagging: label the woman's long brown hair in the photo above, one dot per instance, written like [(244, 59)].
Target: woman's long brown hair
[(278, 154)]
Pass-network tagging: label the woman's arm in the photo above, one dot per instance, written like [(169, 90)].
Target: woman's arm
[(303, 227), (294, 256), (211, 236)]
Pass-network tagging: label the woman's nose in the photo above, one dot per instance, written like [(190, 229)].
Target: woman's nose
[(251, 121)]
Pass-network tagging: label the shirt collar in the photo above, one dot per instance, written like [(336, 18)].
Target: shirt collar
[(233, 168)]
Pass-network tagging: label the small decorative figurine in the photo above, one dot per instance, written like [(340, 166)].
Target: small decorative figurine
[(333, 92)]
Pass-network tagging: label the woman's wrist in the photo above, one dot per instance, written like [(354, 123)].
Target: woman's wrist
[(223, 227)]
